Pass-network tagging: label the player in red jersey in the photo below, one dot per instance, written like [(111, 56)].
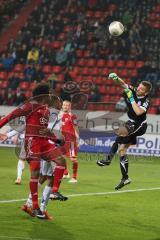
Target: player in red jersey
[(38, 146), (70, 132)]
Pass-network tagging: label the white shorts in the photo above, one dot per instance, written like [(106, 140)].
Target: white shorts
[(22, 154), (47, 168)]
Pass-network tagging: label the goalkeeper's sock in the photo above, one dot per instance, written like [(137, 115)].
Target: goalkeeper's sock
[(112, 152), (124, 166)]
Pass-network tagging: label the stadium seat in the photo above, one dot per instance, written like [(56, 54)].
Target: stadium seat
[(47, 69), (133, 73), (3, 75), (91, 62), (28, 94), (130, 64), (77, 69), (156, 102), (79, 78), (101, 63), (120, 64), (94, 71), (99, 80), (33, 85), (21, 75), (81, 62), (152, 110), (62, 36), (102, 89), (24, 85), (56, 69), (87, 53), (10, 74), (112, 7), (60, 78), (18, 68), (139, 64), (98, 14), (105, 72), (89, 14), (4, 84), (56, 44), (67, 28), (152, 17), (157, 9), (110, 63), (79, 53), (123, 72), (156, 25), (106, 98), (85, 71)]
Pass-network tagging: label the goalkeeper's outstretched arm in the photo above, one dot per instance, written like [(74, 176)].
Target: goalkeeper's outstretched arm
[(118, 80)]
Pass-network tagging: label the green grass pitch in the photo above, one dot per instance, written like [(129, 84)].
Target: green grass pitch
[(124, 216)]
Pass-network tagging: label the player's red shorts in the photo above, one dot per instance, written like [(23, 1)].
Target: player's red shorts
[(71, 149), (41, 148)]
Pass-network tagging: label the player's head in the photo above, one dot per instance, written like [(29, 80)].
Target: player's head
[(41, 93), (66, 106), (144, 88)]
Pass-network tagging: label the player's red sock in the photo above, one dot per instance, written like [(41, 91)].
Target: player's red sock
[(65, 170), (34, 192), (75, 168), (58, 174)]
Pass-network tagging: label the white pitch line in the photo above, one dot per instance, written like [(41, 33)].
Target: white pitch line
[(91, 194)]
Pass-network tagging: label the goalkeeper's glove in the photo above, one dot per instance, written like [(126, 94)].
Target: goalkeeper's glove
[(114, 77), (129, 95)]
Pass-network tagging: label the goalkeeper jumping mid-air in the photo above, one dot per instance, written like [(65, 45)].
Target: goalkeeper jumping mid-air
[(137, 102)]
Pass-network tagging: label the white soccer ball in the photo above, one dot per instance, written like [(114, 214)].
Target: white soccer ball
[(116, 28)]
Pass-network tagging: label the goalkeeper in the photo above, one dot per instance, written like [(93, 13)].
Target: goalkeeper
[(137, 102)]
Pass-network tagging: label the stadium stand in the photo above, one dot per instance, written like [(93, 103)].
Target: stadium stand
[(69, 40)]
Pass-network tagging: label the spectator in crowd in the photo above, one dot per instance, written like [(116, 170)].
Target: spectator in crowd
[(22, 53), (8, 62), (53, 80), (14, 81), (38, 75), (33, 56), (29, 73), (61, 57), (94, 95)]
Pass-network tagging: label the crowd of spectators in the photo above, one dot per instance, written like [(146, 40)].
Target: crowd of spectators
[(33, 45), (9, 10)]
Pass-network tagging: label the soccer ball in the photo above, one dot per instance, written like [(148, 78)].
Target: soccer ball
[(116, 28)]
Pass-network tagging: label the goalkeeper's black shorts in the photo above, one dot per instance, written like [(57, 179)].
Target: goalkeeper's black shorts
[(138, 130)]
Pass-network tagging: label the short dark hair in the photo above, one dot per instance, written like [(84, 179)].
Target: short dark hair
[(41, 89), (148, 85)]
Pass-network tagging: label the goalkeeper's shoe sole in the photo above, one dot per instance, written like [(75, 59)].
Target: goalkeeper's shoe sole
[(123, 183), (103, 163)]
